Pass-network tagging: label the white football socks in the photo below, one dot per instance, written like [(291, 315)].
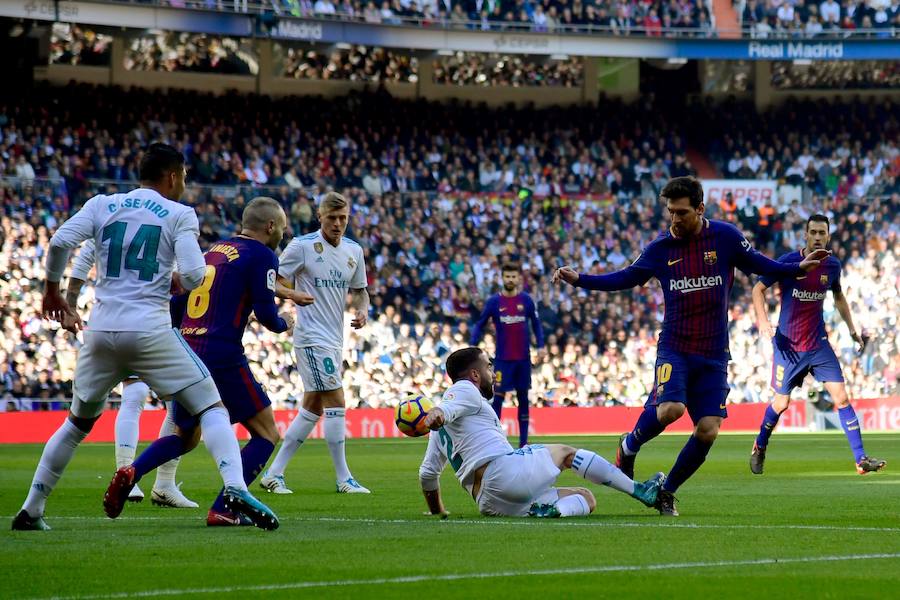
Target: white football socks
[(597, 469), (296, 434), (335, 434), (223, 445), (57, 453), (128, 422), (573, 506), (165, 473)]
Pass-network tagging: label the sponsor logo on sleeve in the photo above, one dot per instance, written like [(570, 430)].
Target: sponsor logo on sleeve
[(270, 279)]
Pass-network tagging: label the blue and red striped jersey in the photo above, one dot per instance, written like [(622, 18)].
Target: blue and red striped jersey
[(696, 274), (801, 323), (240, 279), (511, 315)]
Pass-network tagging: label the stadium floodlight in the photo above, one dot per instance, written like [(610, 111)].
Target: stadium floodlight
[(677, 61)]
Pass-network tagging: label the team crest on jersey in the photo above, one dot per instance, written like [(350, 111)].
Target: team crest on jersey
[(710, 257), (351, 263), (318, 247), (520, 306), (824, 279)]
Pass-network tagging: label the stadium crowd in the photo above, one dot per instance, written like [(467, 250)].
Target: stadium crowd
[(438, 205), (802, 18), (469, 68), (72, 44), (357, 63), (866, 74), (197, 52), (612, 16)]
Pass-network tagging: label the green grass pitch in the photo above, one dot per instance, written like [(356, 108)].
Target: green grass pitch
[(809, 528)]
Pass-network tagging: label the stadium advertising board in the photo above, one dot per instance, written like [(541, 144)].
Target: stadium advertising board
[(880, 414), (755, 191)]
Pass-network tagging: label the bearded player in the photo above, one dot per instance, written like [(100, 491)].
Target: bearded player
[(694, 262), (800, 344)]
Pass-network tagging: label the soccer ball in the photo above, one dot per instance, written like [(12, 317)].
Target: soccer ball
[(409, 414)]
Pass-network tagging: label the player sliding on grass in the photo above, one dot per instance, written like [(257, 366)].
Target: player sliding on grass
[(800, 344), (134, 394), (694, 262), (240, 279), (139, 236), (505, 482)]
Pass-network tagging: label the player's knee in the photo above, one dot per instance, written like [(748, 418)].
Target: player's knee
[(781, 403), (85, 424), (840, 398), (588, 496), (707, 432), (562, 455), (669, 412)]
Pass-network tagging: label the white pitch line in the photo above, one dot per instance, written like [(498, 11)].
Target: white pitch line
[(485, 522), (495, 575)]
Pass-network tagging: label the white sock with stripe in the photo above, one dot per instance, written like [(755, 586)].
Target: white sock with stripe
[(223, 445), (335, 434), (296, 434), (597, 469), (573, 506), (128, 422), (57, 453)]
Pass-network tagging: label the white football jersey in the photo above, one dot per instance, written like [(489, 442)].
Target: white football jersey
[(135, 237), (471, 436), (328, 274)]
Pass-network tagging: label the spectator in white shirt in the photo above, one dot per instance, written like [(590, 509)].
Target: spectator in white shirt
[(324, 7), (830, 11), (785, 14), (813, 27), (24, 170), (754, 161)]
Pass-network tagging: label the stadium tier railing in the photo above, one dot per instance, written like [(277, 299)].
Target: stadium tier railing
[(269, 11)]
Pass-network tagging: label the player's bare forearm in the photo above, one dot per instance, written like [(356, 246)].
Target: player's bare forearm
[(284, 289), (759, 303), (73, 290), (359, 300), (840, 302), (435, 504)]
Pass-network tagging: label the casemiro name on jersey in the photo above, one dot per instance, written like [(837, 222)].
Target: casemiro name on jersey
[(148, 204)]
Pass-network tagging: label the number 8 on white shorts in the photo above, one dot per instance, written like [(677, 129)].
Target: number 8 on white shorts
[(320, 368)]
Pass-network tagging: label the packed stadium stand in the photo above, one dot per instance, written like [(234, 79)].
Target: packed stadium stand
[(443, 194)]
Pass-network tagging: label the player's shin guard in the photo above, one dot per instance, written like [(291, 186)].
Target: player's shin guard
[(770, 420), (128, 422), (522, 399), (335, 434), (296, 434), (850, 424), (165, 473), (56, 456), (573, 506), (689, 460), (597, 469), (254, 457), (647, 428)]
